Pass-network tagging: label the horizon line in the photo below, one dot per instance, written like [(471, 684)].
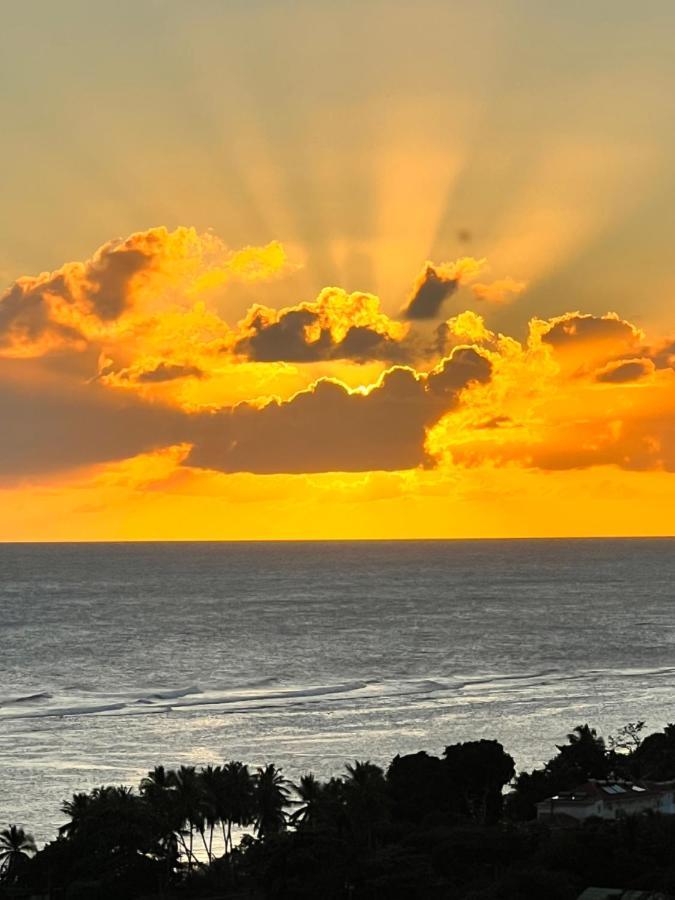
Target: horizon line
[(374, 540)]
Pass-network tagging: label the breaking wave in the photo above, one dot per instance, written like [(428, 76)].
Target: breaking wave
[(257, 695)]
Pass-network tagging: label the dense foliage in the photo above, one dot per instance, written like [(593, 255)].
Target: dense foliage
[(427, 827)]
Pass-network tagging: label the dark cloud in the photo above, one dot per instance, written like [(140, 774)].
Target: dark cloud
[(109, 274), (622, 371), (663, 355), (284, 339), (65, 425), (31, 309), (362, 344), (25, 316), (49, 428), (327, 428), (431, 288), (307, 333), (168, 372), (574, 328)]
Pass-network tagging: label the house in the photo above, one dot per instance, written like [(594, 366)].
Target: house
[(596, 893), (609, 800)]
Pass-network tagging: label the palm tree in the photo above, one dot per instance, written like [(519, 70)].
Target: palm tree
[(238, 809), (158, 791), (309, 791), (188, 793), (16, 846), (77, 808), (270, 797), (157, 782), (213, 801), (366, 797), (321, 805), (585, 735), (586, 752)]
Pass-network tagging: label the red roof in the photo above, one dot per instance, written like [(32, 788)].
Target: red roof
[(593, 790)]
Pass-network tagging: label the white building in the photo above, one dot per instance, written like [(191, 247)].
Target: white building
[(609, 800)]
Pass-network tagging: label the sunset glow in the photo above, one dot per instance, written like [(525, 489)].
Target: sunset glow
[(406, 301)]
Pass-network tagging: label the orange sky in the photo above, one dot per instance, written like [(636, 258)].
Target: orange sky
[(352, 270), (137, 408)]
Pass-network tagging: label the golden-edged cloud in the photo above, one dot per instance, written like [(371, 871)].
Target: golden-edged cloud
[(331, 428), (625, 370), (337, 325), (132, 353), (436, 283), (568, 398), (121, 285)]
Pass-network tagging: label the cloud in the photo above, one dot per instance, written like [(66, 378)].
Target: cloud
[(40, 313), (573, 330), (127, 353), (466, 328), (663, 355), (566, 399), (330, 428), (526, 408), (53, 426), (625, 370), (500, 291), (435, 284), (337, 325), (26, 324), (57, 425), (166, 372), (582, 343), (55, 306), (82, 302)]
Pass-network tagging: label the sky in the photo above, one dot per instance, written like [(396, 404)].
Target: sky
[(311, 270)]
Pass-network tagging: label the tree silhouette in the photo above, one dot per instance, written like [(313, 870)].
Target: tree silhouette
[(189, 808), (157, 790), (367, 800), (77, 809), (418, 786), (426, 829), (583, 757), (270, 799), (16, 847), (655, 757), (627, 738), (238, 809), (213, 799), (310, 792), (477, 773), (158, 782)]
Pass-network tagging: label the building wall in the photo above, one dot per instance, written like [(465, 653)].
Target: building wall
[(608, 808)]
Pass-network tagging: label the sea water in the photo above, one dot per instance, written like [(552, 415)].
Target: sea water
[(117, 657)]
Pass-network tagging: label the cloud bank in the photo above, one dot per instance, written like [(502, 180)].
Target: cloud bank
[(132, 351), (330, 428)]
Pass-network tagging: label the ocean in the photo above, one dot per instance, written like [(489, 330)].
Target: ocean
[(118, 657)]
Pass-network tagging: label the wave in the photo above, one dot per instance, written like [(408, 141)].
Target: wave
[(643, 673), (256, 696), (498, 680), (188, 698), (28, 698), (171, 695), (71, 711)]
